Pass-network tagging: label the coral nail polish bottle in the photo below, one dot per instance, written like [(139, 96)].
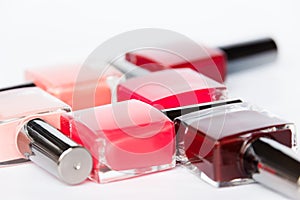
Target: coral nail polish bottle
[(126, 139), (30, 119), (236, 143), (64, 82), (168, 88), (212, 62)]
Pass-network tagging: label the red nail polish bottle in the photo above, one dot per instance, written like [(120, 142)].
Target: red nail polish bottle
[(212, 62), (235, 144), (167, 88), (126, 139)]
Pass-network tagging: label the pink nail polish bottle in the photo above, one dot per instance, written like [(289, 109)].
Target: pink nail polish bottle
[(64, 82), (30, 119), (168, 88), (126, 139), (234, 144)]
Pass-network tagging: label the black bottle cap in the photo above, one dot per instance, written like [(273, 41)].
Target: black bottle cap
[(250, 48), (250, 54), (173, 113), (24, 85)]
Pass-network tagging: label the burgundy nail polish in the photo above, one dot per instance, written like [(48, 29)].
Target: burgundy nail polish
[(235, 144)]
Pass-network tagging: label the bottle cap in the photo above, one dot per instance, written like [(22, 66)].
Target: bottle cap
[(50, 149)]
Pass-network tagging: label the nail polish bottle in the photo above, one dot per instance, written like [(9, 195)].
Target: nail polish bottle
[(168, 88), (126, 139), (64, 83), (30, 119), (211, 62), (237, 143)]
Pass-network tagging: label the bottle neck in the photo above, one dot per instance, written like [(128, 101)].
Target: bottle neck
[(273, 165), (173, 113), (128, 69)]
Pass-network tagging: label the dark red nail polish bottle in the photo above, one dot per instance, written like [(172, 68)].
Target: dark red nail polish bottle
[(236, 143)]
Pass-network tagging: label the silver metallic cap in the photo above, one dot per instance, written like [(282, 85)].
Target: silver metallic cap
[(274, 165), (74, 165), (55, 152)]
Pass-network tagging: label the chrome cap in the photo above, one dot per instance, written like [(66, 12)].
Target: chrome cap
[(50, 149)]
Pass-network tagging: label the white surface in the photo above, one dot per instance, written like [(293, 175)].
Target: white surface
[(41, 33)]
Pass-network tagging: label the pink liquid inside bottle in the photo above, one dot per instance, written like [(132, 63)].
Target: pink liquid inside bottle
[(19, 106), (29, 130)]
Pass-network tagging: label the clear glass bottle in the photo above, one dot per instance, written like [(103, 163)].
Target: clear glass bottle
[(212, 62), (237, 143), (78, 86), (126, 139), (29, 130), (168, 88)]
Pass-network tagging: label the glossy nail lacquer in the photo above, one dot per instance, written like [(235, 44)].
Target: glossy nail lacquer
[(236, 143), (30, 119), (64, 82), (168, 88), (211, 62), (126, 139)]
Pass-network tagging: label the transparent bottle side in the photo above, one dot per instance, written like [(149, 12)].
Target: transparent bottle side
[(18, 106), (123, 149)]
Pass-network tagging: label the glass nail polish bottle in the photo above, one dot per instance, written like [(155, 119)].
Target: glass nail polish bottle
[(126, 139), (167, 88), (235, 144), (30, 119), (212, 62), (64, 82)]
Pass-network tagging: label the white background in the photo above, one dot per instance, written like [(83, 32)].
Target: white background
[(37, 33)]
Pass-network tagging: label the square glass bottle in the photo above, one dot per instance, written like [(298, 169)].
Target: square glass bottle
[(126, 139), (73, 84), (212, 62), (237, 143), (29, 130), (168, 88), (213, 139)]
